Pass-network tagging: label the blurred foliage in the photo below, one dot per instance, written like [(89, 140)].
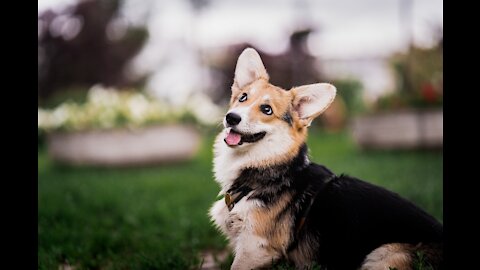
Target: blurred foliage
[(84, 45), (347, 103), (106, 108), (41, 138), (350, 90), (76, 94), (419, 79), (399, 101)]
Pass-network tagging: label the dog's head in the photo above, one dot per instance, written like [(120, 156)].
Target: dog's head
[(266, 118)]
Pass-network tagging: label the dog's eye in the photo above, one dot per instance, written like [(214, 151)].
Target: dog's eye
[(266, 109), (243, 97)]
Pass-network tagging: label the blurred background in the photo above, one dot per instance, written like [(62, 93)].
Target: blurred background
[(132, 93)]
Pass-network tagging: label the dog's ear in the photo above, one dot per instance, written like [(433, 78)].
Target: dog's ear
[(309, 101), (249, 68)]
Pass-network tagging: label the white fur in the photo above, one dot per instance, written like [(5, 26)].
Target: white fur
[(236, 222), (219, 212), (250, 249), (251, 253), (228, 161), (245, 125)]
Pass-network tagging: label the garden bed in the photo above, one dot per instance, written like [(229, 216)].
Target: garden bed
[(125, 147), (405, 129)]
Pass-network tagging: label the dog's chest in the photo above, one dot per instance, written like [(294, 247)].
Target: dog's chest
[(226, 166), (250, 214)]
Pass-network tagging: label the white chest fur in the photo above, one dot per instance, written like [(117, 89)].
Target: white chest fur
[(228, 162), (239, 224), (235, 222), (227, 167)]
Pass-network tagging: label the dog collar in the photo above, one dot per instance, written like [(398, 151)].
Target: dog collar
[(233, 196)]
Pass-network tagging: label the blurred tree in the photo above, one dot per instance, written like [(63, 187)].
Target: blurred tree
[(199, 4), (85, 45)]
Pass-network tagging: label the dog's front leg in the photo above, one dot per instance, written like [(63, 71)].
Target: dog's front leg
[(252, 252)]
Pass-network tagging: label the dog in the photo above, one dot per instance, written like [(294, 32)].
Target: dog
[(280, 206)]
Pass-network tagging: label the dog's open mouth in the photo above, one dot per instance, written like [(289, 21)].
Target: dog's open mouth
[(234, 137)]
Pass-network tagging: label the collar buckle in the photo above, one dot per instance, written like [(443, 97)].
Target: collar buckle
[(228, 201)]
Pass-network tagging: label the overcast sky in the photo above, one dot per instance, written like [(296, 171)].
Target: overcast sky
[(347, 28)]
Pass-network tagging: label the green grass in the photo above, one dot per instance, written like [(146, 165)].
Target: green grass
[(156, 217)]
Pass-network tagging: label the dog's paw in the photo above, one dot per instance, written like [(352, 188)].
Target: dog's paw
[(234, 223)]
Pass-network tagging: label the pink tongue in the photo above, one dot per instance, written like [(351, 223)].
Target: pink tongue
[(233, 138)]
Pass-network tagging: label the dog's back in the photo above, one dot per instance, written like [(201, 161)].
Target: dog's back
[(349, 218)]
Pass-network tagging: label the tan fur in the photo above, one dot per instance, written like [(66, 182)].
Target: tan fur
[(267, 225), (389, 256)]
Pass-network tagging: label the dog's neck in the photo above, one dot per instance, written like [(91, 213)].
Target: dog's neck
[(232, 166), (266, 182)]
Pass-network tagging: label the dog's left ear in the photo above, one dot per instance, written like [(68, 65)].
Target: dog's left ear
[(311, 100)]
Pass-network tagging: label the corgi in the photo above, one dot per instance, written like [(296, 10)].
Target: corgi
[(278, 205)]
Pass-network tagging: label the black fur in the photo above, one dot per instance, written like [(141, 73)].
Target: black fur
[(287, 117), (349, 217)]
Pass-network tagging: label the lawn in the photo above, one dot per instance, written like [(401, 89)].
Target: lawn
[(156, 217)]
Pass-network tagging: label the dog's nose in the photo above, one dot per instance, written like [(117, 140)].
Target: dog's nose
[(233, 119)]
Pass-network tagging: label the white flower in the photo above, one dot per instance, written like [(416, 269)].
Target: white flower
[(60, 115), (107, 108), (138, 107), (100, 96), (204, 109), (44, 119)]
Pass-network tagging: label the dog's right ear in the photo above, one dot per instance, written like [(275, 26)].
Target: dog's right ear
[(249, 68)]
